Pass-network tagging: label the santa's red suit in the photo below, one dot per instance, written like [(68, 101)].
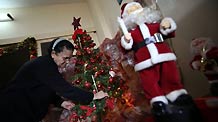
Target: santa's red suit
[(155, 63)]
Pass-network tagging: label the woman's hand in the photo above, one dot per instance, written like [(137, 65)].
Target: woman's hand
[(67, 105), (100, 95)]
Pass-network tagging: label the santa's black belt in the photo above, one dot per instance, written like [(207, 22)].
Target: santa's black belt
[(152, 39)]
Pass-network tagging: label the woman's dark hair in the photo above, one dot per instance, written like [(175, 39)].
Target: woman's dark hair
[(58, 45)]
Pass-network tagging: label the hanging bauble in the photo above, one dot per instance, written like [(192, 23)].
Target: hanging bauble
[(89, 38), (78, 81), (92, 60), (102, 71), (104, 63), (92, 45), (94, 91), (95, 68), (111, 80), (82, 117), (99, 86), (88, 50), (96, 74), (88, 67), (78, 53), (100, 54), (76, 47), (81, 62), (109, 88), (87, 85)]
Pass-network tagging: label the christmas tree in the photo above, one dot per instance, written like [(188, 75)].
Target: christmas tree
[(93, 73)]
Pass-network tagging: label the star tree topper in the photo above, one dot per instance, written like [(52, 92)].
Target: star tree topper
[(76, 23)]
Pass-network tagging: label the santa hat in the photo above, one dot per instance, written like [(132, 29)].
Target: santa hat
[(122, 8), (125, 7)]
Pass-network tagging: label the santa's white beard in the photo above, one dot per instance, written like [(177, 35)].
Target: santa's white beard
[(148, 15)]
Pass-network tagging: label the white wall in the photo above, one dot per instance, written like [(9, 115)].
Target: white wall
[(110, 10), (103, 30), (44, 21)]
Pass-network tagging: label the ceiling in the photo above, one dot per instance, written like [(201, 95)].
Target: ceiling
[(29, 3)]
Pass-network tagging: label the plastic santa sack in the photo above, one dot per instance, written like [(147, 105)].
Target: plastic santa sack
[(205, 54)]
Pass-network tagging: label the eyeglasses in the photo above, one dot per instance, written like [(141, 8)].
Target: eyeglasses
[(66, 58)]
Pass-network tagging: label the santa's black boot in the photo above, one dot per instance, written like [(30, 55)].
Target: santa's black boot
[(160, 112), (188, 107)]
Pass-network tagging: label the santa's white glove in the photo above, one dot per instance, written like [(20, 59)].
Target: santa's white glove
[(127, 41), (167, 25)]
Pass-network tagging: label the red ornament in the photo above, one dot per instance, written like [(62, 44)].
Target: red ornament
[(76, 47), (92, 45), (88, 67), (89, 38), (102, 71), (88, 50), (92, 60), (88, 110), (77, 32), (109, 88), (96, 74), (111, 80), (78, 53), (95, 68), (87, 85), (99, 86), (94, 91), (78, 81), (82, 117), (100, 54), (73, 117)]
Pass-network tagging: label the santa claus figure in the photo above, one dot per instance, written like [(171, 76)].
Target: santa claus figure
[(145, 31), (205, 59)]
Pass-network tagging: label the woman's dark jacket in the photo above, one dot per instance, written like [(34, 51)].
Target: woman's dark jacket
[(36, 85)]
